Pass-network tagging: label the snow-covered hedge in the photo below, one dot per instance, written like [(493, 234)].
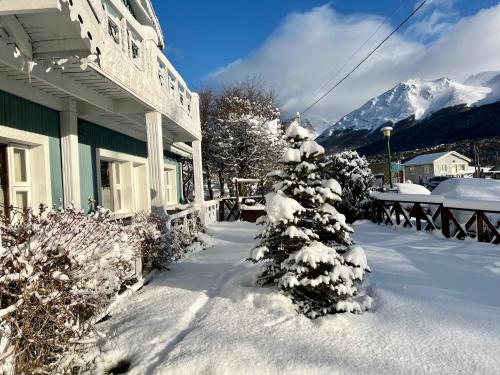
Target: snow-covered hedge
[(164, 242), (58, 270)]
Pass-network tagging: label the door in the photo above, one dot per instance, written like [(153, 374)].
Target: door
[(170, 186), (453, 169), (4, 180)]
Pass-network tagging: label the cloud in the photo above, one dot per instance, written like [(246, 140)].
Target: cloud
[(307, 48)]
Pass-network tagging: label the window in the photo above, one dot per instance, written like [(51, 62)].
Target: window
[(111, 185), (24, 169), (18, 157), (427, 169), (4, 184), (412, 170), (123, 182), (114, 31), (106, 185), (170, 186)]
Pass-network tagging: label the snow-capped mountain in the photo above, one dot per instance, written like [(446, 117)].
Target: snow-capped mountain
[(419, 98), (490, 80)]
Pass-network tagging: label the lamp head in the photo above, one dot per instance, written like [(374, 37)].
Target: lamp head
[(387, 131)]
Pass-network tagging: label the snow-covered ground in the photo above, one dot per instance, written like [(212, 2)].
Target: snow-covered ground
[(437, 311)]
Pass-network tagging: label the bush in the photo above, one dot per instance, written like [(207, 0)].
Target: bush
[(58, 270), (163, 243), (356, 178)]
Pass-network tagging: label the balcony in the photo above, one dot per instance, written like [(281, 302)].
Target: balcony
[(122, 58)]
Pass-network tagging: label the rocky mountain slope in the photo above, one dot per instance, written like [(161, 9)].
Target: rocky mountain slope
[(412, 103)]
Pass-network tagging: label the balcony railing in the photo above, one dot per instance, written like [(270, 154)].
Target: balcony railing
[(129, 55)]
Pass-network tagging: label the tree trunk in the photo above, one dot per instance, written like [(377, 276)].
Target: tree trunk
[(209, 183), (221, 183)]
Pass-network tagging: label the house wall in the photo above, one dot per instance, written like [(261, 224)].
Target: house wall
[(419, 173), (450, 165), (21, 114), (92, 137)]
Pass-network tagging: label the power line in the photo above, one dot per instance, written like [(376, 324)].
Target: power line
[(362, 45), (367, 56)]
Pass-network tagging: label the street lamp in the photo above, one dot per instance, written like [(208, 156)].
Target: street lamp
[(387, 133)]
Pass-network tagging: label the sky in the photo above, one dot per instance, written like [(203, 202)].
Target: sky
[(296, 46)]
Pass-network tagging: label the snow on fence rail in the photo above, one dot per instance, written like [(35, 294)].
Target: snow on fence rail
[(455, 218)]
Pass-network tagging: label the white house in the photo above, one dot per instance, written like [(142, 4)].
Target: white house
[(423, 167), (91, 107)]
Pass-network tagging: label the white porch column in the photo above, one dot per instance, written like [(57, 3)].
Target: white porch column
[(155, 161), (199, 194), (69, 154)]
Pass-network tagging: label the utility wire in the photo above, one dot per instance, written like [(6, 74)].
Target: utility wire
[(362, 45), (367, 56)]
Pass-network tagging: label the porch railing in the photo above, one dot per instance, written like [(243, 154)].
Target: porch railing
[(455, 218)]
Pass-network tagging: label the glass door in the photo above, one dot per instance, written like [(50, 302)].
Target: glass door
[(4, 180)]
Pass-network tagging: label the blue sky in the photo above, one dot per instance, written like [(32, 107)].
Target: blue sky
[(204, 35), (226, 40)]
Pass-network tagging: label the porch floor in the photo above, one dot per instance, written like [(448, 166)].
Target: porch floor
[(437, 310)]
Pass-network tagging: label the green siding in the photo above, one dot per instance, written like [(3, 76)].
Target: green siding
[(21, 114), (90, 138)]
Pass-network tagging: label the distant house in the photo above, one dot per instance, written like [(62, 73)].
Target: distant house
[(423, 167)]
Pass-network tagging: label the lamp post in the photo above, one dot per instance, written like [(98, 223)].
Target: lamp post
[(387, 133)]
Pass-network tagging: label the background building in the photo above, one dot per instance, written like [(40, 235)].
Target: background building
[(423, 167)]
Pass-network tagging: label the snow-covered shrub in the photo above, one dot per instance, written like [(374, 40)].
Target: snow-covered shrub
[(305, 240), (58, 270), (356, 178), (163, 243)]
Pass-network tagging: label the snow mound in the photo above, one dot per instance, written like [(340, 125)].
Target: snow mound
[(469, 188), (412, 189)]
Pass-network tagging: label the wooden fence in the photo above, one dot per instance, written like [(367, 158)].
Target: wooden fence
[(455, 218), (230, 207)]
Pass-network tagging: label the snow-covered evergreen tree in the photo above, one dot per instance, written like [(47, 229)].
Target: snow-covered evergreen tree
[(356, 178), (305, 241)]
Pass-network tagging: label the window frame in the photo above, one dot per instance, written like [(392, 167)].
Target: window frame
[(16, 186), (127, 187), (39, 182)]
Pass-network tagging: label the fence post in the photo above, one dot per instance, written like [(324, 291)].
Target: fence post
[(380, 210), (480, 226), (445, 222)]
